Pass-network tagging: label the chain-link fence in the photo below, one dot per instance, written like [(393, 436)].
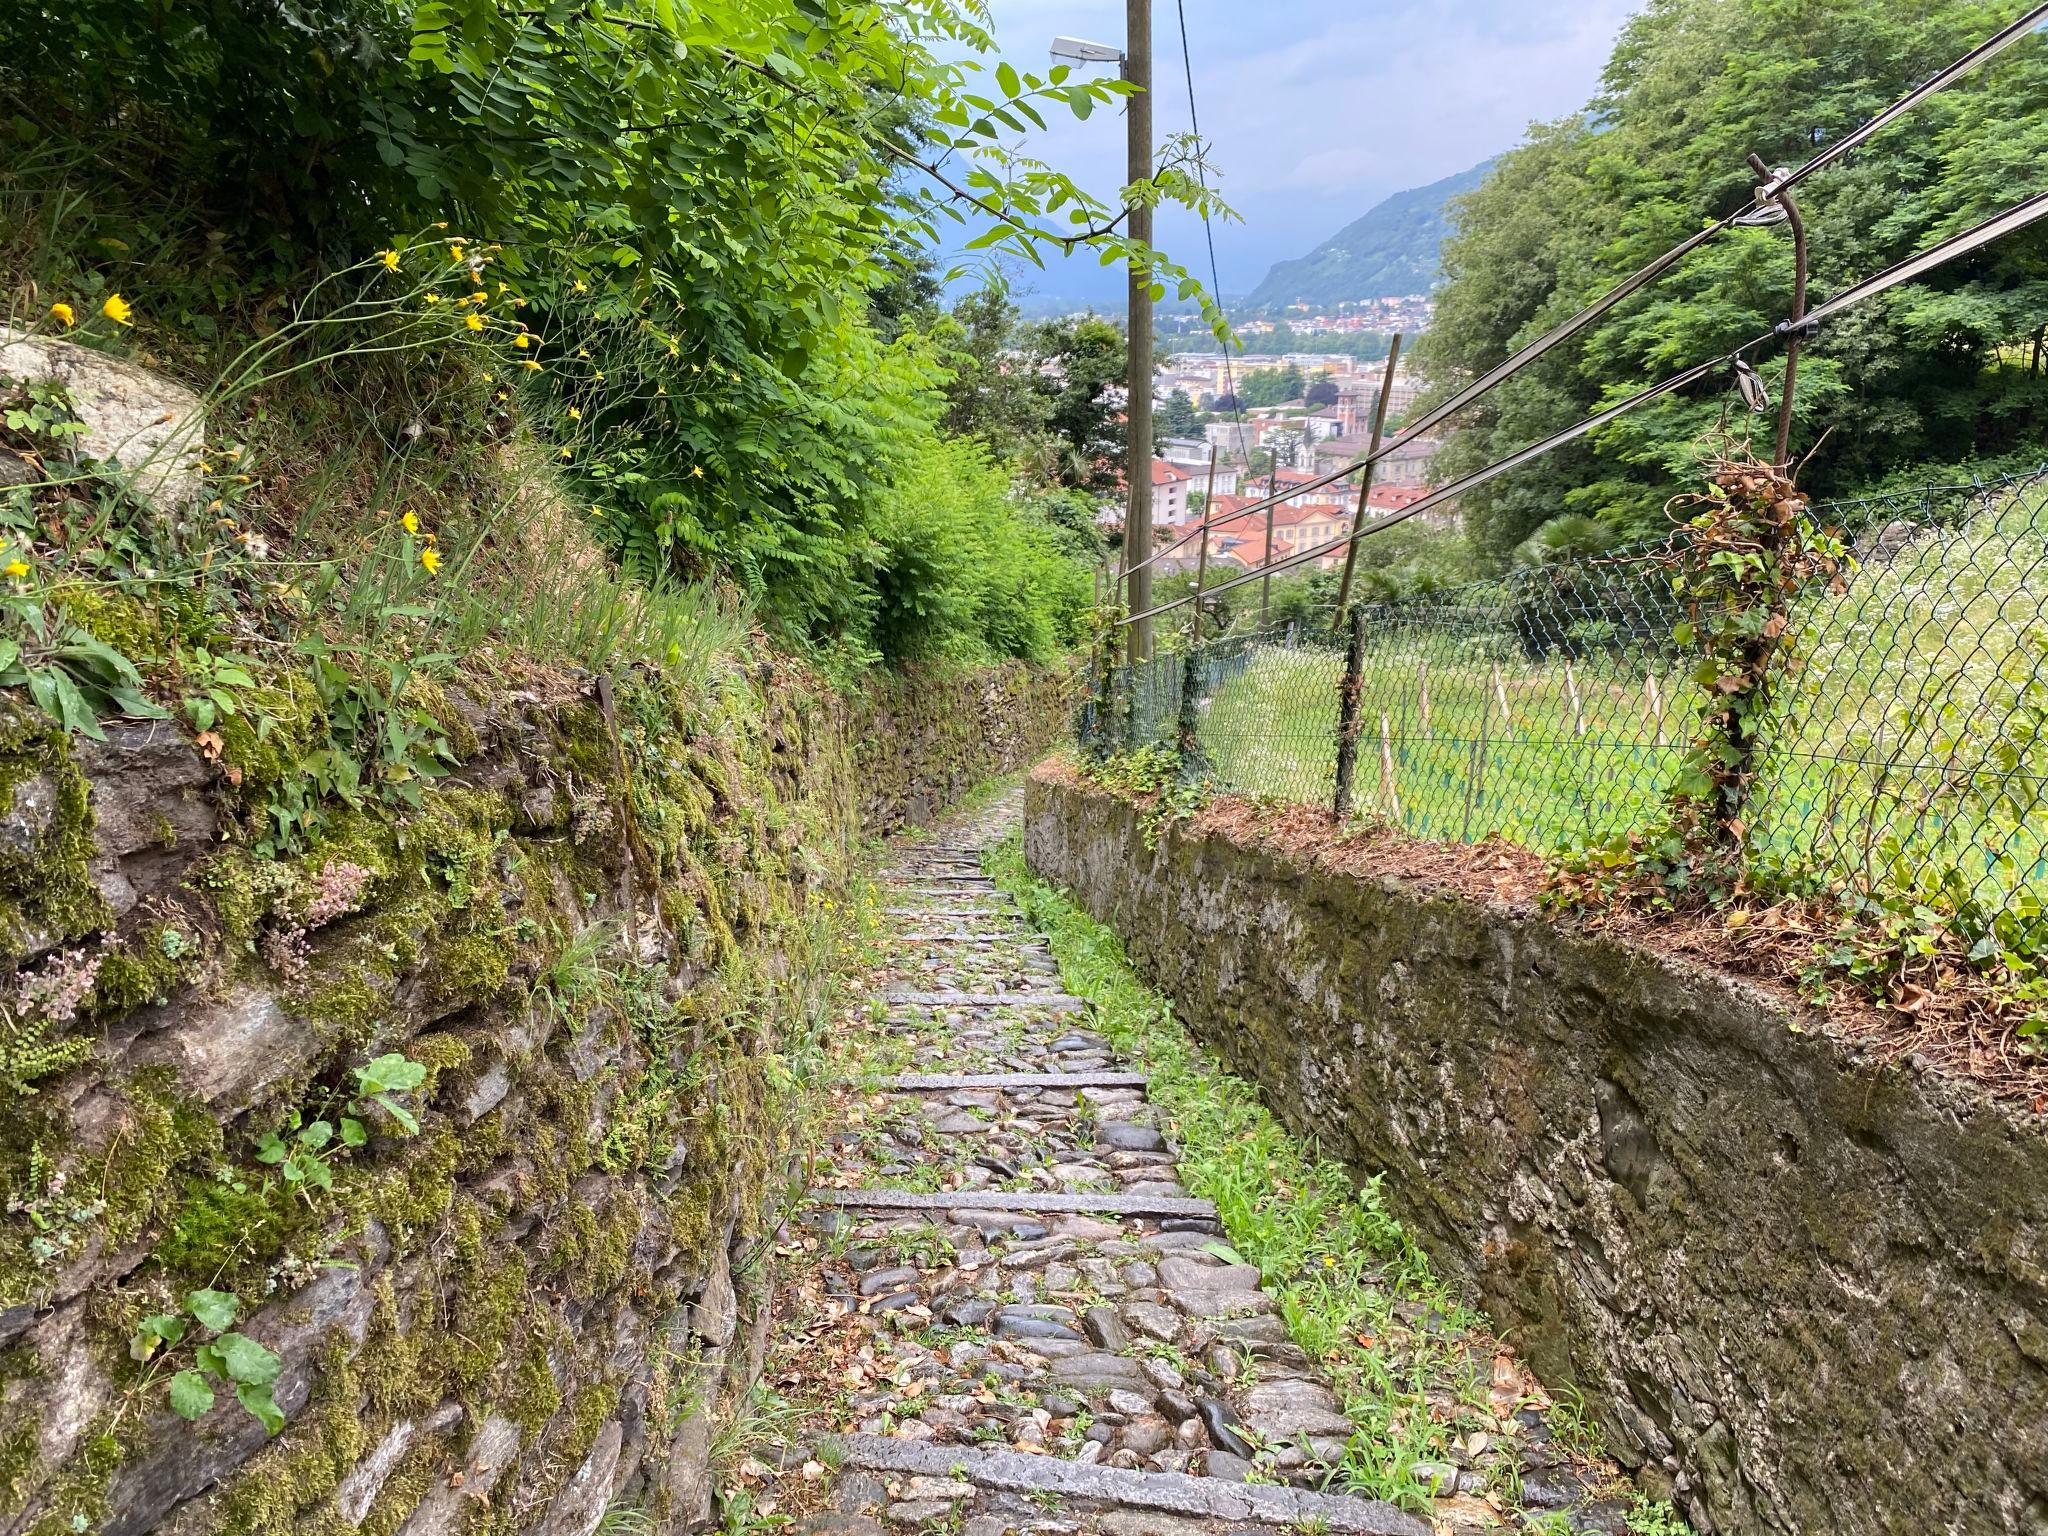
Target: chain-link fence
[(1908, 752)]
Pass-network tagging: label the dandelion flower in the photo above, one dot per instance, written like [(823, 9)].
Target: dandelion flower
[(118, 310), (17, 569), (430, 557), (411, 521), (390, 260), (65, 313), (475, 321)]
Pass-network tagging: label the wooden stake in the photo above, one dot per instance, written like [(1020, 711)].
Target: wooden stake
[(1500, 692), (1653, 699), (1571, 686), (1422, 678), (1388, 792)]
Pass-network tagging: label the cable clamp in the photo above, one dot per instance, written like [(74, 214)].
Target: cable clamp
[(1799, 330)]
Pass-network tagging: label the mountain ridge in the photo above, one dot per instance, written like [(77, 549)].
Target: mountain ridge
[(1387, 253)]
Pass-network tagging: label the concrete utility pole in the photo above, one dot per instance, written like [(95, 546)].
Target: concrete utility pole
[(1138, 407)]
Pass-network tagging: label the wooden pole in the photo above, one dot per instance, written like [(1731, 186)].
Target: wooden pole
[(1653, 698), (1266, 583), (1390, 794), (1500, 692), (1202, 550), (1138, 327), (1379, 425), (1423, 679), (1571, 687)]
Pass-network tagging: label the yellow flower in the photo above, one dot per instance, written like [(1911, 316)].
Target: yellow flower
[(522, 340), (430, 557), (455, 251), (475, 321), (118, 310), (567, 453), (582, 286), (390, 260), (432, 297), (411, 521), (16, 568), (697, 470), (599, 375), (574, 414), (65, 313), (531, 366)]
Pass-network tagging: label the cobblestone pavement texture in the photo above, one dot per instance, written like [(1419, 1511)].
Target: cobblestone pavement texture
[(1022, 1317)]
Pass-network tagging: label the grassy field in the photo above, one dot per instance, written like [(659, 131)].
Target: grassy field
[(1911, 752)]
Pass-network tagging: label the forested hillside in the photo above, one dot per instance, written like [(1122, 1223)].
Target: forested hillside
[(1392, 251), (1945, 374)]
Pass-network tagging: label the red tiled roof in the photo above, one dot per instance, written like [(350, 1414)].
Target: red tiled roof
[(1164, 473)]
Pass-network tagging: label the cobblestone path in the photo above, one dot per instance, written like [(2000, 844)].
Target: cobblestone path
[(1027, 1324)]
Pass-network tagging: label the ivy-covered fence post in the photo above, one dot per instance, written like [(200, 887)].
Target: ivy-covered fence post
[(1348, 694), (1751, 553)]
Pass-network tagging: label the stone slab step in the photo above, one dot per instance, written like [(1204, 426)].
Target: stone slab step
[(912, 1082), (952, 912), (1028, 1202), (938, 936), (1059, 1002), (1170, 1493)]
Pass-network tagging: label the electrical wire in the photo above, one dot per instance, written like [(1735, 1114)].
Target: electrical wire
[(1187, 65), (2014, 219), (1564, 331)]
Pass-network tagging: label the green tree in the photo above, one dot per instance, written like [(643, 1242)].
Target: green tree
[(1078, 369), (1180, 418), (1933, 373), (1322, 390), (994, 394)]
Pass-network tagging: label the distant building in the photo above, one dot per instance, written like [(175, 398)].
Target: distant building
[(1170, 485), (1407, 464)]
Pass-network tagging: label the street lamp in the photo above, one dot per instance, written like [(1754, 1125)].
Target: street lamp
[(1082, 52)]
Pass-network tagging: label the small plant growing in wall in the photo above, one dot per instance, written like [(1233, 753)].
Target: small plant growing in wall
[(227, 1361), (303, 1152)]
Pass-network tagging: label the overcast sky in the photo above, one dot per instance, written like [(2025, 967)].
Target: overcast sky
[(1317, 109)]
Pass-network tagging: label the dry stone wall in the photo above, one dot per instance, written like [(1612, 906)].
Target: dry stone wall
[(597, 940), (1810, 1294)]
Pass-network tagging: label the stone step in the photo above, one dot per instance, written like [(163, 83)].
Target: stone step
[(1029, 1202), (1059, 1002), (1167, 1493), (952, 912), (935, 936), (917, 1082)]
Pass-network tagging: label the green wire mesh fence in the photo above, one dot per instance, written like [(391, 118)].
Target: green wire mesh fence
[(1909, 751)]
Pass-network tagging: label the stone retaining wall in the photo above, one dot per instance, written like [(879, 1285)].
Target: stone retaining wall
[(598, 935), (1810, 1296)]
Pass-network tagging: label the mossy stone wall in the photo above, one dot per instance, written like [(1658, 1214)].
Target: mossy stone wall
[(606, 936), (1808, 1294)]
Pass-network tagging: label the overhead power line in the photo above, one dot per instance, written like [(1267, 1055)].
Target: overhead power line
[(1997, 43), (1187, 65), (2032, 211)]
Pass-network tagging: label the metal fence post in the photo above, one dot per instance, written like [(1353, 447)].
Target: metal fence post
[(1348, 693)]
